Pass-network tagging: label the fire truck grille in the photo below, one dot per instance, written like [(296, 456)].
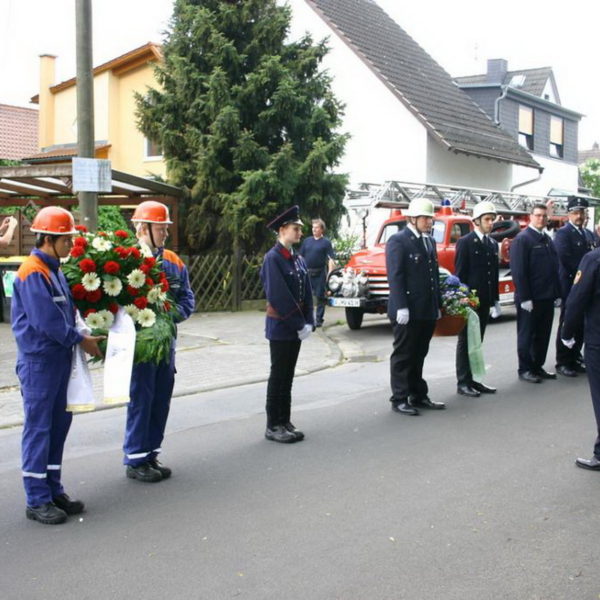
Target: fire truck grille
[(378, 285)]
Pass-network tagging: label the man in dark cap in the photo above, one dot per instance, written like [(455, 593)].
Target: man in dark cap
[(572, 243), (289, 321)]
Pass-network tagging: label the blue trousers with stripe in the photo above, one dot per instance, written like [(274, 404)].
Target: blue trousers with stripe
[(148, 410), (44, 383)]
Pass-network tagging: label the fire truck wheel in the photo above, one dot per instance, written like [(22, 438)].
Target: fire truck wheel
[(505, 229), (354, 317)]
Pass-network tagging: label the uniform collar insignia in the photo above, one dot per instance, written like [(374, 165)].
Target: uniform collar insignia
[(284, 252)]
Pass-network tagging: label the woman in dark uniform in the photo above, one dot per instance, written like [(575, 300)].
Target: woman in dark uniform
[(289, 320)]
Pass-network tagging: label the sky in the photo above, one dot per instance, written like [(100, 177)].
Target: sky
[(460, 35)]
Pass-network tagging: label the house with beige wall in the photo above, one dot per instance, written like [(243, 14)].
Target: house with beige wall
[(116, 135)]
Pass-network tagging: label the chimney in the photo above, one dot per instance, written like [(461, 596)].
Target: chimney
[(46, 100), (496, 70)]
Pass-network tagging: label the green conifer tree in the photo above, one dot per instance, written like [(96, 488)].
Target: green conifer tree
[(246, 120)]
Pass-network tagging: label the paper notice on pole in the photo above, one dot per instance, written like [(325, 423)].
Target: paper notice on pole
[(118, 363), (91, 175)]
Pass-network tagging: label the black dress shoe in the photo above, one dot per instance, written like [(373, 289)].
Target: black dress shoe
[(543, 374), (404, 408), (165, 472), (566, 371), (280, 434), (144, 472), (299, 434), (579, 367), (588, 463), (482, 388), (48, 513), (467, 390), (71, 507), (529, 377), (427, 402)]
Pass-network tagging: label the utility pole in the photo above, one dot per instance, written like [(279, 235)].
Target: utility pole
[(88, 201)]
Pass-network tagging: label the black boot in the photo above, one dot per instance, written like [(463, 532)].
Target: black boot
[(164, 471), (280, 434), (48, 513), (71, 507), (299, 434), (143, 472)]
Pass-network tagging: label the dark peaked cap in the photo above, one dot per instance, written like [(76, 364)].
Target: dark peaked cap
[(291, 215), (575, 203)]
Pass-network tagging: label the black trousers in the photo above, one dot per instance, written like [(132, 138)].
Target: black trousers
[(568, 357), (533, 334), (463, 368), (284, 356), (592, 361), (411, 345)]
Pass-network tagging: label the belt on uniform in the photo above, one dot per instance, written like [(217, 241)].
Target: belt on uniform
[(315, 272), (271, 312)]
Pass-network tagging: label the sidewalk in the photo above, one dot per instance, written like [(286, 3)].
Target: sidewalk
[(214, 350)]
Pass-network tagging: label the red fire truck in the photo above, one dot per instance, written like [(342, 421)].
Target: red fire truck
[(361, 286)]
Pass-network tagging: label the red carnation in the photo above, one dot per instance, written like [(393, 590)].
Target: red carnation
[(132, 291), (94, 296), (145, 269), (141, 302), (122, 252), (111, 267), (87, 265), (78, 291), (122, 234), (81, 228), (150, 261), (113, 307), (80, 241), (135, 252), (88, 312), (77, 251), (164, 285), (149, 281)]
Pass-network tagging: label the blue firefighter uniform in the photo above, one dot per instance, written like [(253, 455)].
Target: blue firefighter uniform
[(572, 244), (151, 383), (289, 308), (583, 306), (534, 268), (43, 322)]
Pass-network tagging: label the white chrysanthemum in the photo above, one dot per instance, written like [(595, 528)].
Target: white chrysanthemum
[(154, 294), (108, 317), (146, 317), (95, 321), (162, 296), (91, 282), (145, 250), (132, 310), (101, 244), (112, 286), (136, 278)]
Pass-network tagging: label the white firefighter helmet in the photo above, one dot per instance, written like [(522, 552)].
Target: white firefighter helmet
[(484, 208), (420, 207)]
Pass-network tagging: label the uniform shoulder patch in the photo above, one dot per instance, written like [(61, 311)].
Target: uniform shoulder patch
[(173, 258), (577, 277)]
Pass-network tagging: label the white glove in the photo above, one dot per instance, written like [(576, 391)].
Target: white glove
[(305, 332), (402, 316), (496, 310), (568, 343), (527, 305), (557, 302)]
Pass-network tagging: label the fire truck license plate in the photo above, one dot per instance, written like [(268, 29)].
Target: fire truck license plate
[(510, 297), (350, 302)]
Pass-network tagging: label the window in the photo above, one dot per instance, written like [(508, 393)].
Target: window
[(153, 149), (458, 230), (556, 137), (389, 230), (526, 127), (438, 232)]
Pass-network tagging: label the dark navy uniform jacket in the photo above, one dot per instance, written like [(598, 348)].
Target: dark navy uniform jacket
[(289, 296), (413, 276), (584, 301), (476, 265), (571, 246), (43, 312), (534, 266)]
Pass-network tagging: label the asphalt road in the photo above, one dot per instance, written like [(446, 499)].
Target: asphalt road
[(481, 501)]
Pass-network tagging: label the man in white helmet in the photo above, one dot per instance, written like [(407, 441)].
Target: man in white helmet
[(476, 265), (413, 307)]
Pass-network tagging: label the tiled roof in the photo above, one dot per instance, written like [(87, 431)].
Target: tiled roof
[(61, 154), (422, 85), (534, 83), (18, 131)]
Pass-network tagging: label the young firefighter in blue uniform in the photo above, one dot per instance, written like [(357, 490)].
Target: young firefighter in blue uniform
[(572, 243), (318, 254), (289, 321), (583, 308), (43, 322), (152, 384)]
